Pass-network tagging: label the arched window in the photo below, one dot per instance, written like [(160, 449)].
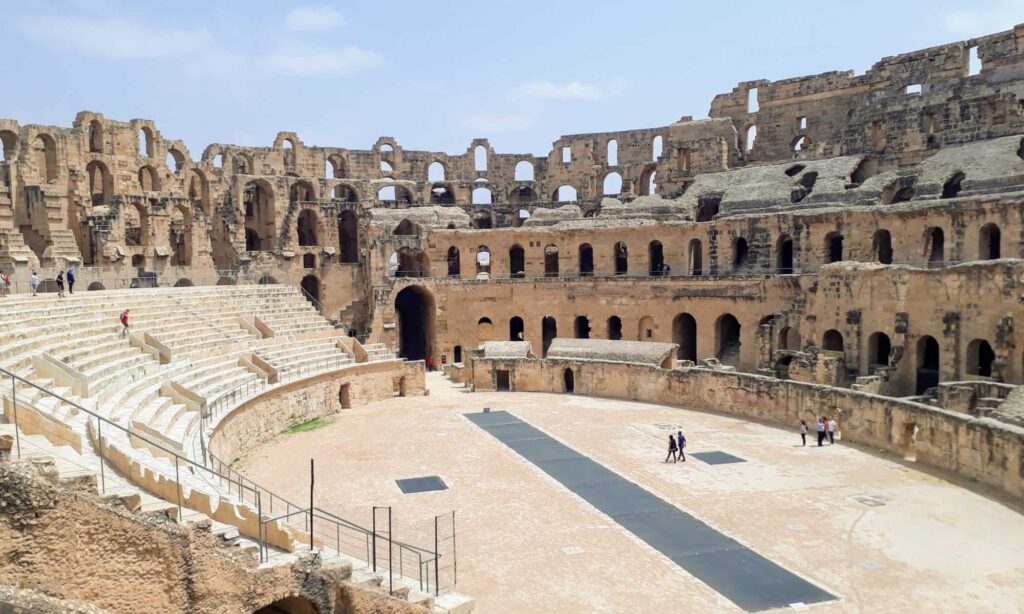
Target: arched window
[(146, 147), (149, 180), (179, 235), (565, 194), (517, 261), (136, 225), (707, 208), (482, 196), (260, 216), (483, 260), (95, 136), (344, 193), (524, 171), (175, 160), (612, 184), (727, 340), (621, 255), (548, 330), (586, 260), (435, 172), (645, 329), (484, 330), (8, 144), (656, 148), (454, 264), (751, 136), (482, 220), (684, 334), (551, 261), (480, 158), (928, 360), (980, 358), (655, 258), (789, 338), (412, 262), (581, 327), (784, 255), (335, 167), (881, 244), (348, 236), (989, 242), (386, 194), (696, 256), (301, 191), (740, 253), (879, 348), (615, 328), (613, 153), (832, 341), (307, 228), (515, 329), (951, 188), (45, 149), (936, 247), (406, 228), (834, 247), (100, 182)]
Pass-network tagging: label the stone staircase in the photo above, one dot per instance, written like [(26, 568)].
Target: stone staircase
[(62, 249)]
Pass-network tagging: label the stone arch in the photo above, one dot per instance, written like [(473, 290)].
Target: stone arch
[(612, 184), (348, 236), (183, 283), (980, 358), (516, 329), (345, 193), (740, 253), (260, 213), (46, 159), (517, 261), (620, 253), (524, 171), (484, 330), (951, 188), (310, 285), (655, 258), (696, 256), (437, 171), (415, 312), (101, 183), (180, 235), (784, 254), (989, 242), (928, 360), (308, 228), (645, 329), (301, 191), (581, 327), (483, 260), (289, 605), (442, 194), (727, 339), (482, 196), (8, 145), (149, 179), (96, 285), (614, 328), (136, 225), (879, 349), (832, 341), (482, 220), (684, 334), (550, 260), (454, 262), (406, 228), (564, 194), (335, 167), (586, 260), (881, 245), (95, 136), (549, 330), (198, 190), (789, 338), (935, 246), (243, 164)]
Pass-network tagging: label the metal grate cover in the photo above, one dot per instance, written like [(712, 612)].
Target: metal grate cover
[(423, 484)]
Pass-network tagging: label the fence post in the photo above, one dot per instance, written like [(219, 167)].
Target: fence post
[(437, 566), (14, 403), (373, 528), (391, 558), (99, 448), (259, 517), (455, 558), (177, 483)]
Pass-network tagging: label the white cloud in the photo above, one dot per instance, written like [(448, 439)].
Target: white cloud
[(314, 19), (989, 18), (114, 38), (547, 89), (303, 60), (495, 122)]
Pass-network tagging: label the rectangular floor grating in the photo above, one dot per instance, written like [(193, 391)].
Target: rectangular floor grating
[(717, 458), (423, 484), (741, 575)]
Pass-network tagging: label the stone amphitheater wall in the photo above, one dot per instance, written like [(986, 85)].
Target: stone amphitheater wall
[(978, 449)]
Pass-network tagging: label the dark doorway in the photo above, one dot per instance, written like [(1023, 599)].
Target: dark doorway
[(784, 262), (936, 248), (348, 236), (581, 327), (927, 364), (517, 261), (696, 257), (457, 354), (454, 262), (615, 328), (656, 256), (570, 380), (345, 396), (621, 258), (834, 246), (882, 245), (549, 330), (289, 605), (415, 309), (684, 334), (503, 380), (515, 329), (728, 340), (586, 260), (311, 286), (879, 348), (989, 247)]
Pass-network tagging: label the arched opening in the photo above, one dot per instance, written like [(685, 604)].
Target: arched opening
[(45, 151), (515, 329), (441, 194), (348, 236), (936, 247), (309, 261), (406, 228), (980, 358), (264, 280), (784, 255), (656, 258), (179, 235), (482, 196), (387, 194), (482, 220), (684, 334), (569, 380), (524, 171), (335, 168), (226, 281), (183, 283), (484, 330), (879, 348), (252, 240), (96, 286), (832, 341), (548, 331), (454, 264), (457, 354), (586, 258), (727, 340), (260, 216), (615, 328), (414, 307), (436, 172), (621, 258), (707, 208), (801, 142), (483, 261), (927, 364), (345, 193), (789, 339), (243, 164), (881, 245), (311, 288), (300, 192), (412, 262), (833, 247), (95, 136), (139, 261), (480, 158), (149, 181), (289, 605), (656, 148), (8, 145), (550, 261), (517, 261), (989, 242), (899, 191), (612, 184), (952, 187), (136, 225), (198, 191), (612, 153), (581, 327), (522, 194), (100, 183), (307, 228), (866, 168), (645, 329), (749, 138), (740, 253), (565, 194), (696, 256)]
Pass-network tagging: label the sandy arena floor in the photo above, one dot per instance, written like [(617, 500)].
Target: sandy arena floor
[(881, 536)]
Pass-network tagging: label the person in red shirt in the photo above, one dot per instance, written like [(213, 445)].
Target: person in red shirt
[(124, 322)]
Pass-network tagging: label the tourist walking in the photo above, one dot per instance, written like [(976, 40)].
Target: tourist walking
[(803, 432), (124, 323), (671, 448), (71, 280), (60, 284), (681, 443), (821, 431), (831, 431), (33, 282), (5, 284)]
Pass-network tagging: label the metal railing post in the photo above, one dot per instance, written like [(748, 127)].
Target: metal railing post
[(437, 567), (177, 482), (391, 558), (373, 529), (14, 404), (259, 517), (99, 448)]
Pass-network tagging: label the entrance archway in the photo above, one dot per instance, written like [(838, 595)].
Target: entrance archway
[(311, 286), (415, 309), (549, 330), (289, 605)]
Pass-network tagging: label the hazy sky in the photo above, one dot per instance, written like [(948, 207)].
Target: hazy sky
[(436, 74)]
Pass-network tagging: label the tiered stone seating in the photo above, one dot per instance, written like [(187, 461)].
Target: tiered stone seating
[(305, 355), (378, 351)]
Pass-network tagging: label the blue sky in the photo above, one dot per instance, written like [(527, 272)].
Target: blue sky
[(437, 74)]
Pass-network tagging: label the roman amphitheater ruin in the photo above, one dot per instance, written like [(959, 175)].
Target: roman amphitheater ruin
[(525, 332)]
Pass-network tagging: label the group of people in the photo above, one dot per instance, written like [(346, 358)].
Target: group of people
[(676, 447), (826, 429), (63, 278)]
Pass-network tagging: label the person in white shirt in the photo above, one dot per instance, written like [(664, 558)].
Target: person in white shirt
[(831, 431)]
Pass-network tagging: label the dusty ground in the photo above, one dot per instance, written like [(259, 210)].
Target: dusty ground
[(919, 544)]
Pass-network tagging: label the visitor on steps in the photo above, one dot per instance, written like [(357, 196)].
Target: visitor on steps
[(831, 431), (124, 323), (71, 280), (682, 446), (821, 431), (5, 284), (60, 284), (803, 432), (671, 448), (33, 282)]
